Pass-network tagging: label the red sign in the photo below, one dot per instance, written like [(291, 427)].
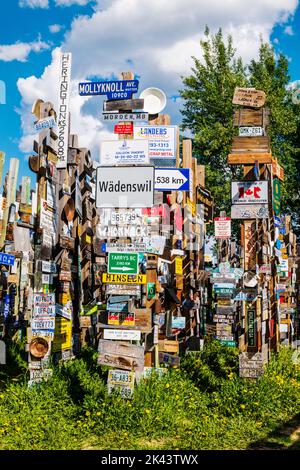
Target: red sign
[(124, 128), (222, 227)]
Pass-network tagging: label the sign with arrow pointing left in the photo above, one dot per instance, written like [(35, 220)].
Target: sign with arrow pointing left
[(123, 263), (172, 179)]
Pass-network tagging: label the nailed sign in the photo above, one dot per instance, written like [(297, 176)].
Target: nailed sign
[(63, 109), (172, 179), (121, 380), (249, 192), (124, 152), (115, 188), (124, 278), (222, 227), (250, 131), (7, 259), (123, 263), (249, 211), (124, 356), (249, 97), (114, 90), (126, 116), (162, 140)]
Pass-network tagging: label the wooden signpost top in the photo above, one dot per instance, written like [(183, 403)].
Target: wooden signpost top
[(249, 97)]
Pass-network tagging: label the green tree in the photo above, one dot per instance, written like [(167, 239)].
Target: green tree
[(208, 114)]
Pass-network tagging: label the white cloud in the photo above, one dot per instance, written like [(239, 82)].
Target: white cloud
[(34, 3), (21, 50), (67, 3), (87, 126), (55, 28), (156, 40), (289, 30)]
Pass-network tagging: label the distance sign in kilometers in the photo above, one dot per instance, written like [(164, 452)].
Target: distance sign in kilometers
[(123, 263)]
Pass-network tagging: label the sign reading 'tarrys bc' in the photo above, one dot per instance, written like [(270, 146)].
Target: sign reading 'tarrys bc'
[(119, 89)]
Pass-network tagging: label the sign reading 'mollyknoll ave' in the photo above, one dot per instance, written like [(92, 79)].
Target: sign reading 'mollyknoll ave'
[(127, 263), (118, 89), (125, 187)]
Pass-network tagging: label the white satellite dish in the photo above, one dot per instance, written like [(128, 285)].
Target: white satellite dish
[(155, 100)]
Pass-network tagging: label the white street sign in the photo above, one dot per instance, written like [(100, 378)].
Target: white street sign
[(249, 211), (125, 187), (172, 179), (124, 152)]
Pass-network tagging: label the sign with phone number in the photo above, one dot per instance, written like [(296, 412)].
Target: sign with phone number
[(162, 140)]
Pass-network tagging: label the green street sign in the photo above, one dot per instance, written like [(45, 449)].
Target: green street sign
[(227, 342), (276, 196), (151, 290), (123, 263)]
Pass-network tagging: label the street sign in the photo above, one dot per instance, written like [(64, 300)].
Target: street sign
[(125, 116), (114, 90), (7, 260), (172, 179), (127, 263), (124, 187), (124, 278), (124, 152), (162, 140), (249, 211), (123, 128), (249, 192)]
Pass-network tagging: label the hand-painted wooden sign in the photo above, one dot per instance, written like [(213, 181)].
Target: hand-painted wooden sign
[(121, 355), (249, 97)]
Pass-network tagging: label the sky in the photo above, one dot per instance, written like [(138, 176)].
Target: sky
[(153, 38)]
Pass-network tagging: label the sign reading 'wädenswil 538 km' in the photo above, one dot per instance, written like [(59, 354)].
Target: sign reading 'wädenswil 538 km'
[(126, 263)]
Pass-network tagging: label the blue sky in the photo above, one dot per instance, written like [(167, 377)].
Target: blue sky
[(157, 45)]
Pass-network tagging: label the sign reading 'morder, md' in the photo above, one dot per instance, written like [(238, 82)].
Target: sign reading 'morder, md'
[(119, 89), (6, 259)]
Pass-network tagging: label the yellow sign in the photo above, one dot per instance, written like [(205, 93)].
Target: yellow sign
[(124, 278), (192, 206), (64, 298), (178, 265), (62, 334)]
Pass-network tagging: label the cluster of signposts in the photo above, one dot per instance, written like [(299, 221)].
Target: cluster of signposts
[(110, 252), (249, 309)]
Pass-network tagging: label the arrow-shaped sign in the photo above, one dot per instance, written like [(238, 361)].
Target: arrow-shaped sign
[(172, 179), (123, 268)]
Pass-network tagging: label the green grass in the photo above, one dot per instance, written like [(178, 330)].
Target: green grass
[(202, 405)]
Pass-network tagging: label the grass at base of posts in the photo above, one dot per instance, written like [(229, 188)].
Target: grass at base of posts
[(203, 405)]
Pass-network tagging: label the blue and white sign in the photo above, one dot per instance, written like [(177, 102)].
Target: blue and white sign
[(172, 179), (46, 123), (117, 307), (6, 259), (114, 90)]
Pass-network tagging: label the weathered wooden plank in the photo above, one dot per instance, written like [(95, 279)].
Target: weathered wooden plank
[(251, 117), (123, 105), (248, 159)]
